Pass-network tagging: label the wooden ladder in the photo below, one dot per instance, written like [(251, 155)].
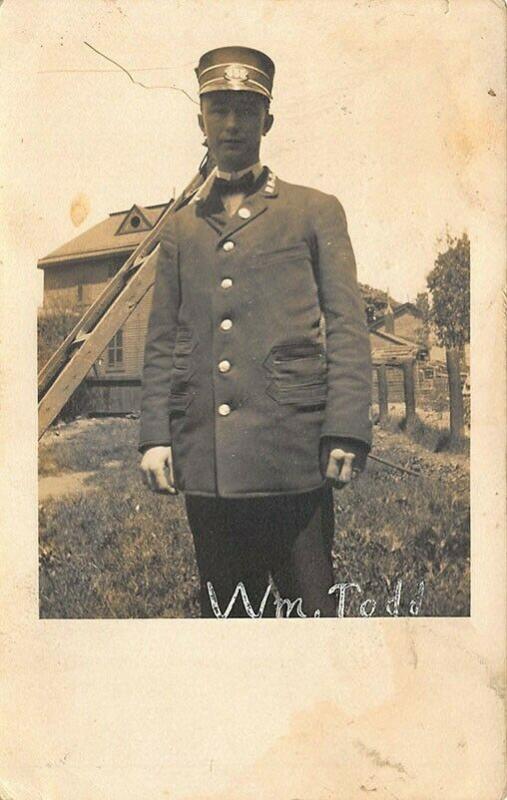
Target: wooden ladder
[(70, 364)]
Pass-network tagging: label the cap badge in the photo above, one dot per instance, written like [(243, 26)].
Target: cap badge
[(236, 73)]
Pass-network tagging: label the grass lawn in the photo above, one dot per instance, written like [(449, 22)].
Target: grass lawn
[(115, 549)]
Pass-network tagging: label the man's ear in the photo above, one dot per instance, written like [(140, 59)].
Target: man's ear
[(268, 123), (201, 123)]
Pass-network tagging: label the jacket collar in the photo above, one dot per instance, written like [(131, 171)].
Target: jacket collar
[(211, 209)]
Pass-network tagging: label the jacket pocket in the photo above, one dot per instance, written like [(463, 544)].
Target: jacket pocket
[(309, 394), (296, 252), (298, 373), (180, 395), (183, 347)]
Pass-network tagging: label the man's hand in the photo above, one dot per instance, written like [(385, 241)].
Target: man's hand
[(342, 459), (339, 467), (156, 460)]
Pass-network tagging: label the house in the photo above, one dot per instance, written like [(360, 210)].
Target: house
[(392, 351), (74, 276), (404, 320)]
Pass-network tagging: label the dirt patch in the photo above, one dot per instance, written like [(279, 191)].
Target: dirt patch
[(65, 430), (56, 486), (115, 462)]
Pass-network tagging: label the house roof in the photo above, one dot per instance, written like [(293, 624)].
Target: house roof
[(396, 310), (114, 235), (394, 348), (391, 338)]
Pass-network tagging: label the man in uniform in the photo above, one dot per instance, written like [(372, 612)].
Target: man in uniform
[(257, 375)]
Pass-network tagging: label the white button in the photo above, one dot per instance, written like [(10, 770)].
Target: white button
[(224, 366), (226, 324), (228, 245), (244, 213), (226, 283), (224, 409)]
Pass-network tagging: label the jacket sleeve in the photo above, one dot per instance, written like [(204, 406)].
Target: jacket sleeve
[(348, 352), (159, 345)]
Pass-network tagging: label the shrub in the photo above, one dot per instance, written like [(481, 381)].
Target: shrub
[(53, 326)]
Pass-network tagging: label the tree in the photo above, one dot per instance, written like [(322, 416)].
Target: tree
[(423, 305), (375, 301), (449, 284)]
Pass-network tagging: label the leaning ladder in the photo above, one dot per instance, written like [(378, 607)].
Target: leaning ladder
[(70, 364)]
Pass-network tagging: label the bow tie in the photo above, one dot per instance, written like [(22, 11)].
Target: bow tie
[(243, 184)]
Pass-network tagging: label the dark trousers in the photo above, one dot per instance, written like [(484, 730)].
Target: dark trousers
[(284, 537)]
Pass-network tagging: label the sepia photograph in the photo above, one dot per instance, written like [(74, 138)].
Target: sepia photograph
[(253, 351), (254, 392)]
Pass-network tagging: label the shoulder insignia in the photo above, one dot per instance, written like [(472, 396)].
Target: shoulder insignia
[(270, 189)]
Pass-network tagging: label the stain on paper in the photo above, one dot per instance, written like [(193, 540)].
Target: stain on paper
[(379, 760), (79, 209)]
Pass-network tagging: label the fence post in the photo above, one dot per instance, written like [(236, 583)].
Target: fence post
[(455, 394), (409, 391), (383, 394)]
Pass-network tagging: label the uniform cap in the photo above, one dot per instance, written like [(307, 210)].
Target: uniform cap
[(236, 69)]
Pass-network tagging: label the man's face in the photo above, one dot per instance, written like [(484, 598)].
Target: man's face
[(234, 123)]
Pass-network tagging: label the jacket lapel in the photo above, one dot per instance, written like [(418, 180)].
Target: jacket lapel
[(252, 207)]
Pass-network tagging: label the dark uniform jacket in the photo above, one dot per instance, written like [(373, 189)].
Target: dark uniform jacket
[(239, 377)]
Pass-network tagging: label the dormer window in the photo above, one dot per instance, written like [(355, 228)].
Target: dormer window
[(134, 221)]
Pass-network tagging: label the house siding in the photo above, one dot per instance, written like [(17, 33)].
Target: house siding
[(431, 392), (61, 282), (134, 334)]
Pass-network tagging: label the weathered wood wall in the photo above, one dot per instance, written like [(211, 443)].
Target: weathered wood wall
[(114, 396), (62, 282), (430, 391)]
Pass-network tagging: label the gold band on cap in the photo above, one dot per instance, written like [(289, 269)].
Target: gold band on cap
[(235, 64), (262, 89)]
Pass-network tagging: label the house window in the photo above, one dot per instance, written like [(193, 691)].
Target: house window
[(429, 373), (115, 351)]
